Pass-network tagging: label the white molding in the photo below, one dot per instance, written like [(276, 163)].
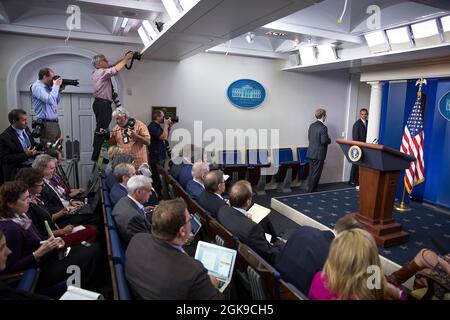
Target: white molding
[(16, 69)]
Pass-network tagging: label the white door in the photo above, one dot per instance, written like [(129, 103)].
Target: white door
[(83, 126), (77, 122)]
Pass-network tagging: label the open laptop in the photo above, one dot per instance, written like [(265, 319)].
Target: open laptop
[(218, 260), (196, 224)]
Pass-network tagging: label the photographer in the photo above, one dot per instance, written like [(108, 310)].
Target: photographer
[(103, 94), (131, 136), (45, 97), (159, 136), (17, 146)]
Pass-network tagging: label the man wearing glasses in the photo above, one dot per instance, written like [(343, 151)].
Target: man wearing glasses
[(103, 94)]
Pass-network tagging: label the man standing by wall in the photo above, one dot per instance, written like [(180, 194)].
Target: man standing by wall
[(359, 133), (103, 94), (317, 150), (45, 97)]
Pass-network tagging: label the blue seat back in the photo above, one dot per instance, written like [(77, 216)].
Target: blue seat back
[(122, 284), (258, 156), (28, 280), (117, 251), (301, 154), (230, 157), (282, 155)]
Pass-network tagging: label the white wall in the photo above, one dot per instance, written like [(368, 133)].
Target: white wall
[(197, 87)]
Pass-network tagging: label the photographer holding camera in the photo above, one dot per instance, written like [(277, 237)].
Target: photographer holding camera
[(131, 136), (17, 146), (103, 94), (159, 137), (45, 97)]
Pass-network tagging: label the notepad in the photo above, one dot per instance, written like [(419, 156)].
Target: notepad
[(78, 228), (258, 212), (75, 293)]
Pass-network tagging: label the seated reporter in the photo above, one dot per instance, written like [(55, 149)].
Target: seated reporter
[(211, 198), (122, 172), (39, 214), (237, 220), (59, 175), (110, 179), (196, 186), (23, 239), (54, 199), (6, 292), (157, 266), (130, 214)]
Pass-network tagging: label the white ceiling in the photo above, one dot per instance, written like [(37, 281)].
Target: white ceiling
[(218, 26)]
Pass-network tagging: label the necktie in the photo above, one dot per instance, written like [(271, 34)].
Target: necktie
[(27, 140), (146, 215)]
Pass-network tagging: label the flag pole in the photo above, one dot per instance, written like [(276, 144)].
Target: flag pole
[(402, 207)]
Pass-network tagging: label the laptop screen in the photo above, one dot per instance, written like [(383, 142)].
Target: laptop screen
[(217, 259)]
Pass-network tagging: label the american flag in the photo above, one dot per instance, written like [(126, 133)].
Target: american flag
[(412, 144)]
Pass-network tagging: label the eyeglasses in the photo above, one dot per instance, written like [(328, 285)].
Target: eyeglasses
[(190, 218)]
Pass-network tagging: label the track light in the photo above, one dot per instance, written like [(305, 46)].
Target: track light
[(250, 37)]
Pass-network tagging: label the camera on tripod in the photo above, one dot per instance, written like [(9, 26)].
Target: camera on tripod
[(37, 126), (67, 82)]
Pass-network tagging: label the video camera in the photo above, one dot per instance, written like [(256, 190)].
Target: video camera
[(67, 82), (37, 126), (174, 119), (136, 56)]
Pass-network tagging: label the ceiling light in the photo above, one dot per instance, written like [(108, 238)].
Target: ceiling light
[(150, 31), (308, 55), (445, 23), (398, 35), (275, 34), (375, 38), (250, 37), (187, 4), (326, 53), (144, 37), (124, 23), (424, 29)]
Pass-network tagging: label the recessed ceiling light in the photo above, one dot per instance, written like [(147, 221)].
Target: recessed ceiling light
[(275, 34), (424, 29), (398, 35), (124, 23)]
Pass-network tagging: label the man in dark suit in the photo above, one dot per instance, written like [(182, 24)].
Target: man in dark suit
[(157, 266), (122, 172), (196, 186), (185, 174), (210, 199), (317, 150), (359, 133), (237, 220), (306, 252), (17, 147), (129, 213)]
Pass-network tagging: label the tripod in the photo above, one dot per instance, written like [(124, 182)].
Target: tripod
[(73, 157)]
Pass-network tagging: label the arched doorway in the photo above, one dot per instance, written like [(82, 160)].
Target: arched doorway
[(76, 117)]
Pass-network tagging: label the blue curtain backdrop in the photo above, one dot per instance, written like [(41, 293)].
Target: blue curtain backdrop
[(398, 100)]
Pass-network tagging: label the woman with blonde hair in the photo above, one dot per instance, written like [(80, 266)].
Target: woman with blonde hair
[(112, 152), (352, 271)]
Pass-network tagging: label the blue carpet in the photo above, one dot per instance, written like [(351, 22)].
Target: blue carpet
[(328, 206)]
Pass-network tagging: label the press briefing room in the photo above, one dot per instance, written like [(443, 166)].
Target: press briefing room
[(245, 151)]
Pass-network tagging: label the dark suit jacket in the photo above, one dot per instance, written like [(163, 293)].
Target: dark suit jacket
[(359, 132), (194, 189), (318, 141), (52, 202), (129, 219), (211, 202), (175, 167), (249, 232), (303, 256), (185, 175), (117, 192), (156, 270), (110, 180), (12, 154)]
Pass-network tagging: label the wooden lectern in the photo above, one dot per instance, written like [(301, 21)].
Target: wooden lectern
[(379, 171)]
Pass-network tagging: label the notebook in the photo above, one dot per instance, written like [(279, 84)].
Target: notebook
[(258, 212), (218, 260), (196, 224), (75, 293)]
